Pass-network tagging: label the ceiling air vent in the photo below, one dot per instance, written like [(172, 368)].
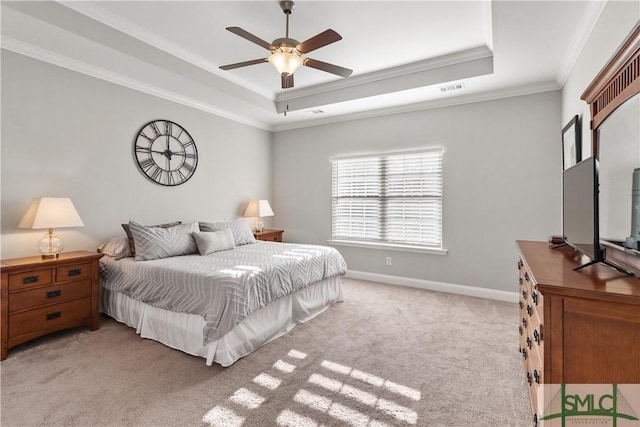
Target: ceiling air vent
[(451, 87), (316, 111)]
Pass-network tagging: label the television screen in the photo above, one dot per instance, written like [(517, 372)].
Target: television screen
[(580, 208)]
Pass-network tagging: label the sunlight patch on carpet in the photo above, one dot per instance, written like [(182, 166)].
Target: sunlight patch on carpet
[(223, 417), (247, 398), (288, 418), (267, 381), (297, 354), (340, 411), (283, 366)]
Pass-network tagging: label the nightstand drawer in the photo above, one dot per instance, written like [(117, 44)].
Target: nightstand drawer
[(73, 272), (48, 317), (49, 295), (30, 279)]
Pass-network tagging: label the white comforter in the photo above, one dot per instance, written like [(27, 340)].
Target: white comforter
[(224, 287)]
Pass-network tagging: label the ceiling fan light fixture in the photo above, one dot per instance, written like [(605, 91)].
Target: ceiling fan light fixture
[(286, 62)]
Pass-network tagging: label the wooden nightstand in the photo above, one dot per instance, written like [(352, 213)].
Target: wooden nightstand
[(269, 235), (38, 297)]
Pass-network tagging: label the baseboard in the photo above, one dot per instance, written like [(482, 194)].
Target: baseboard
[(451, 288)]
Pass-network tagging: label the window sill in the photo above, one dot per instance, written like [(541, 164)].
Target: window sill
[(388, 246)]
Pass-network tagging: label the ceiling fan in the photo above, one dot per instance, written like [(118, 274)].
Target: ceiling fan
[(286, 53)]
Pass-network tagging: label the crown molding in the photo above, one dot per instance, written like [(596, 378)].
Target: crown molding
[(585, 28), (101, 15), (389, 73), (54, 58), (427, 105)]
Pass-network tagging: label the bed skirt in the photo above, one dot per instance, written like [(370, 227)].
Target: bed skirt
[(183, 331)]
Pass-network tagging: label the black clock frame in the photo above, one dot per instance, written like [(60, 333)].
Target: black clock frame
[(149, 165)]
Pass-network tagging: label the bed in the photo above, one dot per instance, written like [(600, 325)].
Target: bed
[(223, 305)]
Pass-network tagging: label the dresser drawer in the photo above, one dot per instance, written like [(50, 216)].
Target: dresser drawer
[(73, 272), (30, 279), (50, 294), (48, 317)]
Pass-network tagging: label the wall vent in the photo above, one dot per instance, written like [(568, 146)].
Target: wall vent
[(454, 86)]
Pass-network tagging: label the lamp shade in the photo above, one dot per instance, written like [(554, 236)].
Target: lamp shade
[(258, 208), (50, 212)]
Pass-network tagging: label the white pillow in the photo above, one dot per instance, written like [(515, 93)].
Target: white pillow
[(242, 233), (213, 226), (214, 241), (117, 247), (156, 242)]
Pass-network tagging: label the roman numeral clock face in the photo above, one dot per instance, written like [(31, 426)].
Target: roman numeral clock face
[(166, 153)]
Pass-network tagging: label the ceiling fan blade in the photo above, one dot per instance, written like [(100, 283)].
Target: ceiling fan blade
[(243, 64), (318, 41), (329, 68), (287, 80), (247, 35)]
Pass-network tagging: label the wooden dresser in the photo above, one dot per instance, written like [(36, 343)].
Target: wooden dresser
[(39, 297), (269, 235), (576, 327)]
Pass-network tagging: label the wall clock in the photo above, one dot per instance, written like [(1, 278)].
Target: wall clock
[(166, 153)]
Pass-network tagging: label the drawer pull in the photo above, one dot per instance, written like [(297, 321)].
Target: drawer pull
[(536, 376), (529, 377), (520, 330), (54, 315), (520, 280), (529, 342), (524, 295), (524, 353), (30, 279), (536, 336), (75, 272), (53, 294), (521, 304), (526, 276), (524, 322), (529, 310), (534, 297), (520, 264), (535, 420)]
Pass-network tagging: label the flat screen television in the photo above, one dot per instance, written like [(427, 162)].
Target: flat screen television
[(580, 209)]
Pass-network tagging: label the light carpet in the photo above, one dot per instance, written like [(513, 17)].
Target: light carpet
[(386, 356)]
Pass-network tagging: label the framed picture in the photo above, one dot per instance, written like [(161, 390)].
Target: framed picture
[(571, 143)]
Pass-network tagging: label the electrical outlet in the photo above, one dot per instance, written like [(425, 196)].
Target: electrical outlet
[(388, 260)]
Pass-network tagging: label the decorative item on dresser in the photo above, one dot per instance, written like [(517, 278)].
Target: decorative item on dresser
[(269, 235), (259, 209), (50, 212), (43, 296), (575, 327)]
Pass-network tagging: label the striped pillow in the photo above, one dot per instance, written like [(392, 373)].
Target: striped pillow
[(157, 242)]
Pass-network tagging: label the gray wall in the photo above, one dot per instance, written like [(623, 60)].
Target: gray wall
[(65, 134), (501, 183), (614, 25)]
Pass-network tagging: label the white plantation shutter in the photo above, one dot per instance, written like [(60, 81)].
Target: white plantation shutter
[(393, 198)]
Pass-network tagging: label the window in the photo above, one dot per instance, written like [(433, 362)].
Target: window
[(391, 198)]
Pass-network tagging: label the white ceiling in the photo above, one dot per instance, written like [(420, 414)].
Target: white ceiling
[(401, 52)]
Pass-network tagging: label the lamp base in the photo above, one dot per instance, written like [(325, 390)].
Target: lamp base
[(259, 225), (50, 246)]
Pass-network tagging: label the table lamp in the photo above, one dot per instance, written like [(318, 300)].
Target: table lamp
[(50, 212), (258, 208)]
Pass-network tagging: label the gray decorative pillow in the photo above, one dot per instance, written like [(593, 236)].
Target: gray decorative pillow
[(132, 245), (242, 233), (214, 241), (117, 247), (213, 226), (157, 242)]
